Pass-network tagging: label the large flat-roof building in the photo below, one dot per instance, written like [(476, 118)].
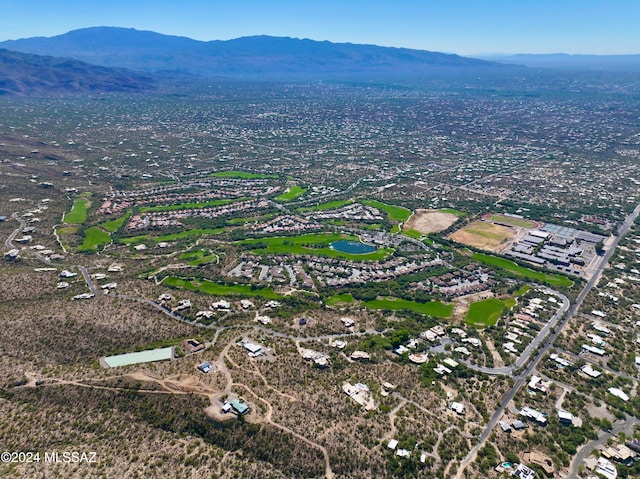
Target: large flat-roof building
[(138, 357)]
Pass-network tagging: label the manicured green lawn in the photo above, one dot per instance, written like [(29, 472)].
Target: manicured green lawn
[(186, 206), (511, 221), (78, 213), (397, 213), (433, 308), (189, 233), (330, 205), (453, 212), (215, 289), (312, 244), (133, 239), (192, 255), (484, 229), (522, 291), (241, 174), (552, 279), (339, 298), (172, 236), (204, 260), (487, 312), (310, 239), (93, 238), (412, 233), (114, 225), (292, 194), (199, 257)]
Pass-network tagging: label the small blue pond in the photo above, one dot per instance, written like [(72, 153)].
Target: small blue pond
[(352, 247)]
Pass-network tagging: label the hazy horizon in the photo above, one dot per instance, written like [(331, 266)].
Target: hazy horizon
[(463, 27)]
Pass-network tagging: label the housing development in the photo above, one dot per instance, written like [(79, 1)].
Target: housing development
[(324, 280)]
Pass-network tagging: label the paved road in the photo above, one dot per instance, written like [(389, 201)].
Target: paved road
[(390, 238), (219, 329), (341, 229), (619, 425), (90, 284), (596, 361), (9, 241), (298, 203), (533, 345), (520, 380)]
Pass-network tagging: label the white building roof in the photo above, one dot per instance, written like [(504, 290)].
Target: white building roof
[(565, 416), (618, 393), (450, 362), (252, 347), (606, 468), (594, 350), (589, 371), (403, 453)]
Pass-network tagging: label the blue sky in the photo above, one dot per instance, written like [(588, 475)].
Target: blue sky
[(459, 26)]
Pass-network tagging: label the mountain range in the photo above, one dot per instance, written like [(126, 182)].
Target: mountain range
[(252, 57), (565, 61), (24, 74), (105, 58)]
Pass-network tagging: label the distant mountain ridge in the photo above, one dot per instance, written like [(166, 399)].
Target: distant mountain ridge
[(24, 74), (571, 61), (257, 56)]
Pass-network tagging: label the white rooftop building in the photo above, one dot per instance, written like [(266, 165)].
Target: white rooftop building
[(559, 360), (565, 417), (222, 304), (348, 322), (606, 468), (618, 393), (403, 453), (251, 347), (594, 350), (533, 414), (589, 371)]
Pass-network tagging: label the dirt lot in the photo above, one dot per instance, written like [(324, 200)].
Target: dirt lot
[(177, 384), (430, 221), (484, 235)]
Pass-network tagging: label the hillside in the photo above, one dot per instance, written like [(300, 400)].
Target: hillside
[(257, 56), (24, 74)]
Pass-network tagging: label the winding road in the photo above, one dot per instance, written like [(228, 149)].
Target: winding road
[(9, 241), (533, 345), (625, 426), (521, 379), (529, 358)]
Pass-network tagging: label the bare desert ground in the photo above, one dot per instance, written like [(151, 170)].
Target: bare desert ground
[(431, 221)]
